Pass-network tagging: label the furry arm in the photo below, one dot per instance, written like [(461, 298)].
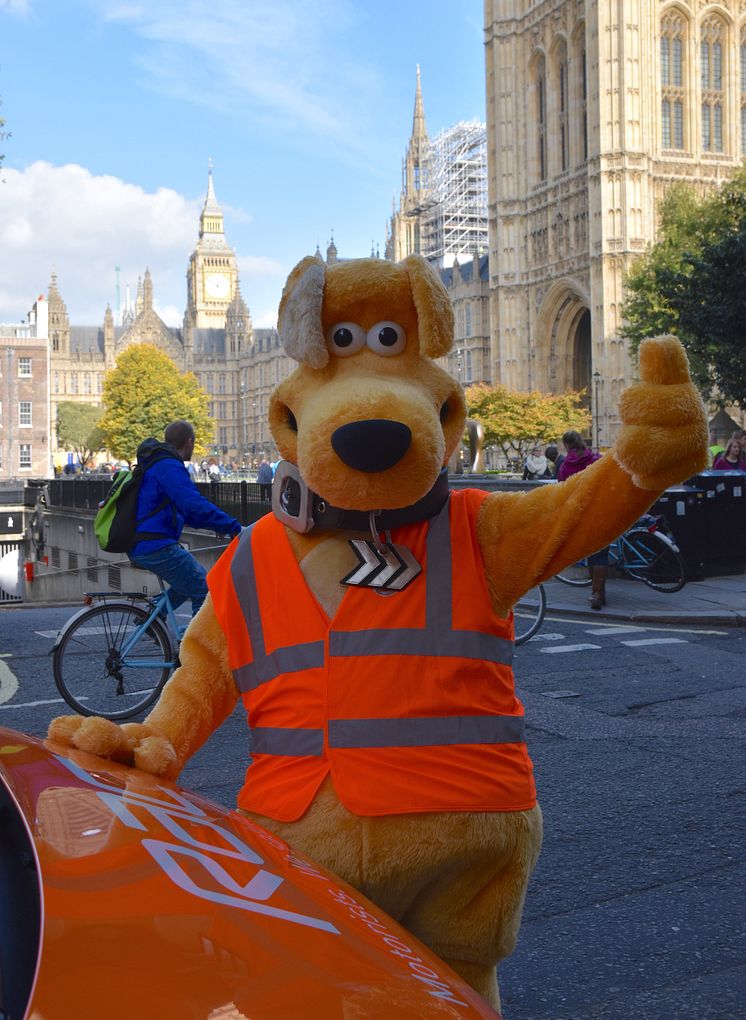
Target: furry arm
[(528, 537), (200, 695)]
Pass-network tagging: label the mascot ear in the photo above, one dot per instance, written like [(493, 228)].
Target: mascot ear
[(434, 310), (299, 317)]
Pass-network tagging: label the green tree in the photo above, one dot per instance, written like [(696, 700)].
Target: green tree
[(78, 429), (143, 393), (692, 283), (514, 421)]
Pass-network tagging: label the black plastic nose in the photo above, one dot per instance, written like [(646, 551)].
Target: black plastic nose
[(373, 445)]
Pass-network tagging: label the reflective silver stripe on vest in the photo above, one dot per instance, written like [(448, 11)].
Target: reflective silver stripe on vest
[(383, 733), (460, 644), (436, 640), (425, 732), (264, 667), (290, 743)]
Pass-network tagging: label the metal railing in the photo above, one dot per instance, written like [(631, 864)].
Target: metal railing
[(241, 500)]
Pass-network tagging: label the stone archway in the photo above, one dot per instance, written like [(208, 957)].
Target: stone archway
[(563, 340)]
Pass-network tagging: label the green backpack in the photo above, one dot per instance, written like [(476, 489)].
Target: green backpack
[(116, 524)]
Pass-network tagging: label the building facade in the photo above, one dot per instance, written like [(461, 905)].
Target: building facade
[(442, 215), (593, 111), (237, 365), (25, 449)]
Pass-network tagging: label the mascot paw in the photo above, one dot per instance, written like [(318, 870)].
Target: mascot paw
[(155, 755), (92, 735), (63, 729), (664, 438), (104, 739), (130, 744)]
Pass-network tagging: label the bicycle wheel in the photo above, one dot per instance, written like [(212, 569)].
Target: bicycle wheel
[(652, 559), (90, 672), (575, 575), (528, 613)]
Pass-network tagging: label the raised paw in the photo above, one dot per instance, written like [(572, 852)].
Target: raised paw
[(664, 437)]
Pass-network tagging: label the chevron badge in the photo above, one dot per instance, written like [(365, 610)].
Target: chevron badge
[(385, 568)]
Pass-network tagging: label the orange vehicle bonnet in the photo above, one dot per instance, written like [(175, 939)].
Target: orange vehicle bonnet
[(407, 699)]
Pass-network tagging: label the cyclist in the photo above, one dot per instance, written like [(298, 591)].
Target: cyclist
[(169, 499)]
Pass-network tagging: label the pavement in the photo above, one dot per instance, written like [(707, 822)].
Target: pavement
[(716, 601)]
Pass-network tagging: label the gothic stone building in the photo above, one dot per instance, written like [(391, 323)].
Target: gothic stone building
[(593, 110), (460, 257), (236, 364)]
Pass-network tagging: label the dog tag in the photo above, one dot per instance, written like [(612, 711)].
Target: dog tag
[(382, 566)]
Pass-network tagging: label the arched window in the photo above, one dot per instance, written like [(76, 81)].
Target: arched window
[(583, 104), (743, 90), (673, 37), (711, 49), (562, 106), (541, 118)]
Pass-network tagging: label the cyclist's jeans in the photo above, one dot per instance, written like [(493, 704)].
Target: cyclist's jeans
[(599, 559), (188, 580)]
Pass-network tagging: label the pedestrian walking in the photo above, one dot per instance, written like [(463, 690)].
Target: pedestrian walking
[(264, 477), (578, 458)]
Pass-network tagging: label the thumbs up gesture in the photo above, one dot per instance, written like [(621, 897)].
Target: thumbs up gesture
[(664, 436)]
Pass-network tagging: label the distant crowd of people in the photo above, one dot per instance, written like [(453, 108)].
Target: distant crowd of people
[(732, 456)]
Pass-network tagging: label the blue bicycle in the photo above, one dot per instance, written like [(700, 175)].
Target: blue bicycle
[(114, 656), (647, 553)]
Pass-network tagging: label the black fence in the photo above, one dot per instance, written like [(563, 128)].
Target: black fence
[(241, 500), (708, 518)]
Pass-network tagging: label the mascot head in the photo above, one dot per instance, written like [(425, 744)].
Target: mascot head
[(368, 417)]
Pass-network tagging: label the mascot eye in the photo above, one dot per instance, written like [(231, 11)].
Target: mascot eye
[(345, 339), (387, 338)]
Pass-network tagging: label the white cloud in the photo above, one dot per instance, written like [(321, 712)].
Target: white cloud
[(82, 226), (66, 219)]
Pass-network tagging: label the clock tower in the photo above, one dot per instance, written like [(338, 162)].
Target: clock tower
[(212, 274)]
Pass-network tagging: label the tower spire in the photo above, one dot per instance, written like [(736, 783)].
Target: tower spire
[(419, 130), (211, 220), (416, 162)]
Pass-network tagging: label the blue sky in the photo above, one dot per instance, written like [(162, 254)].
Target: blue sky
[(304, 108)]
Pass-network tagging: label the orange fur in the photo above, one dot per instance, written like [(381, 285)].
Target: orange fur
[(456, 880)]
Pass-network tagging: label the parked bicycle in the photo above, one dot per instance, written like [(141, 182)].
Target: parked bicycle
[(647, 553), (528, 614), (114, 656)]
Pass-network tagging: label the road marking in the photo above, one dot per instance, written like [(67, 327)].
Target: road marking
[(602, 631), (78, 633), (548, 636), (651, 627), (34, 704), (655, 641), (569, 648), (8, 683)]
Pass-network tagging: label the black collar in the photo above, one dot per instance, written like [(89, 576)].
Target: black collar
[(326, 516)]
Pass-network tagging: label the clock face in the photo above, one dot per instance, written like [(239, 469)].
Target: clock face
[(217, 285)]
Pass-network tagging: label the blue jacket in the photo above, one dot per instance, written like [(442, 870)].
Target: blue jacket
[(169, 479)]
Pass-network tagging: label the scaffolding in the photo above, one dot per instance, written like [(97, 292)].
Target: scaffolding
[(454, 220)]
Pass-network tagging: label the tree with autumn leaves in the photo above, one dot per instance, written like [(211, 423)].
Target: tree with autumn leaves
[(515, 421), (142, 394)]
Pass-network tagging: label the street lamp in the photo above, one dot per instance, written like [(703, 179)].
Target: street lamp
[(253, 432), (242, 429), (596, 409)]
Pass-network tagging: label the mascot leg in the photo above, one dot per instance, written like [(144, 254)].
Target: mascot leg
[(455, 880)]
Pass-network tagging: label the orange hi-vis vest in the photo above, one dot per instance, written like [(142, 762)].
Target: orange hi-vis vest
[(406, 699)]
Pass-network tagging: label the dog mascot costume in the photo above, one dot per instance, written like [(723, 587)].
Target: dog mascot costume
[(366, 623)]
